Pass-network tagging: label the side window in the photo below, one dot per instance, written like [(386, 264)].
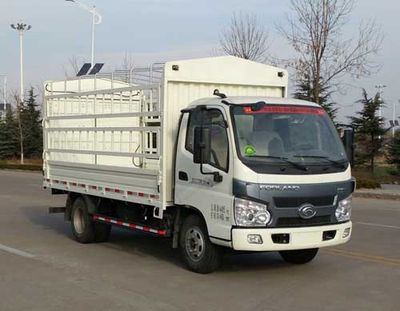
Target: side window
[(194, 121), (219, 138)]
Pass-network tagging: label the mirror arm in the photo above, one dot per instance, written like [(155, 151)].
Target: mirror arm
[(217, 175)]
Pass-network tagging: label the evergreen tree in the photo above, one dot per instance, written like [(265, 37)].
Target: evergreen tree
[(369, 130), (305, 91), (394, 150), (8, 135), (31, 126)]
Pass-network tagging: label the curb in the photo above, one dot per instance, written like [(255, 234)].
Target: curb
[(379, 196), (19, 170), (33, 168)]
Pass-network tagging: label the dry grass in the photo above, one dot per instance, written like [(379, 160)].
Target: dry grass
[(381, 175), (29, 164)]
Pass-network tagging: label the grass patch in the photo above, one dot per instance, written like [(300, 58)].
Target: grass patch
[(381, 175), (29, 165), (363, 183)]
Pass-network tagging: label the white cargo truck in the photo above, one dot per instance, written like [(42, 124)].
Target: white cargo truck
[(208, 152)]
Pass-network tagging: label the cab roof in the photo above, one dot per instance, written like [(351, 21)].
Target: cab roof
[(243, 100)]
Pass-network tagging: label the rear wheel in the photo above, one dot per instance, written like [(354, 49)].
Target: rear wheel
[(197, 252), (299, 257), (82, 225), (84, 229)]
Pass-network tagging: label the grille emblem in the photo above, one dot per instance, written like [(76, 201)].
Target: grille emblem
[(307, 211)]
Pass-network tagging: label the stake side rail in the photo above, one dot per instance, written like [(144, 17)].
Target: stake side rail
[(106, 115), (105, 143), (105, 129), (105, 190), (105, 91)]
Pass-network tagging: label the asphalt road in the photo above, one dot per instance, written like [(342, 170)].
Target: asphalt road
[(42, 268)]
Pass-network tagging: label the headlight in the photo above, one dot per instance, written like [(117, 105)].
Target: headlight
[(343, 211), (249, 213)]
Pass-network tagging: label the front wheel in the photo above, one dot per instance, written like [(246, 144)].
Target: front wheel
[(197, 252), (299, 257)]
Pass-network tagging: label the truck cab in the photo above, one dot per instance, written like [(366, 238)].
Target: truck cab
[(267, 174)]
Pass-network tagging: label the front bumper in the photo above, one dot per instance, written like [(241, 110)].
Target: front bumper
[(299, 238)]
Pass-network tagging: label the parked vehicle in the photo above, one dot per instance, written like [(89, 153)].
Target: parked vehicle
[(209, 152)]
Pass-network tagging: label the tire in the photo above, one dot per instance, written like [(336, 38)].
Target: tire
[(197, 252), (84, 229), (81, 223), (299, 257)]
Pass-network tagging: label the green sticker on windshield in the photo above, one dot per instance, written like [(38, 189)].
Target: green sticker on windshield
[(249, 150)]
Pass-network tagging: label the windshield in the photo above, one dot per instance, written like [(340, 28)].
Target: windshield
[(271, 133)]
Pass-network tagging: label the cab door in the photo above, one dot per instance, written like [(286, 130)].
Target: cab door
[(200, 190)]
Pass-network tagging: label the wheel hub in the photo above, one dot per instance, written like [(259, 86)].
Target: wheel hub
[(194, 241), (79, 222)]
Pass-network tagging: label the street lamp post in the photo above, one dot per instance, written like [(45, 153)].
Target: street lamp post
[(4, 89), (380, 88), (394, 118), (21, 28), (96, 20)]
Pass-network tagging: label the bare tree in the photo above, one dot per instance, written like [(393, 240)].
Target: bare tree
[(74, 64), (127, 62), (245, 38), (126, 67), (40, 96), (314, 30)]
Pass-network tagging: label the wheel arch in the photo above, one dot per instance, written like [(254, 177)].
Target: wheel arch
[(184, 211), (90, 201), (72, 196)]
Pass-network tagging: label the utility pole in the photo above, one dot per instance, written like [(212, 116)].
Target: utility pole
[(380, 88), (394, 118), (4, 89), (5, 92), (2, 114), (21, 28), (96, 20)]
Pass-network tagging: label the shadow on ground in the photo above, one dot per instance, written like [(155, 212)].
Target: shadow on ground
[(142, 244)]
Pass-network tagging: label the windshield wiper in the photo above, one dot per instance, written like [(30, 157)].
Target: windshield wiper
[(337, 163), (297, 165)]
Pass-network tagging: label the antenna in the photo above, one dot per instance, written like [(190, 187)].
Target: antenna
[(217, 93)]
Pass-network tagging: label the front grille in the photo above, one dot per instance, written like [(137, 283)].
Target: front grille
[(297, 201), (298, 222)]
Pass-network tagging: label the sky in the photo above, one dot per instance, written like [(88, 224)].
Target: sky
[(160, 30)]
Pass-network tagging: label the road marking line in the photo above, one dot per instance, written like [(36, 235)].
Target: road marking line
[(15, 251), (391, 264), (377, 225), (364, 257)]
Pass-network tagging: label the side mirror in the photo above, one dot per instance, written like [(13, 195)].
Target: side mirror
[(348, 142), (202, 145)]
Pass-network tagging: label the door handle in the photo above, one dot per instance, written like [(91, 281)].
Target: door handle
[(183, 176)]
